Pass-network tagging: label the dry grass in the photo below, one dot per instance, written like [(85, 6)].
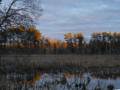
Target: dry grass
[(59, 60)]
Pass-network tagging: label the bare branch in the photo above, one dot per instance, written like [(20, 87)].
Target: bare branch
[(16, 16)]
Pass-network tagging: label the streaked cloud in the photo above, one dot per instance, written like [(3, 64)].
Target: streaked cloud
[(79, 16)]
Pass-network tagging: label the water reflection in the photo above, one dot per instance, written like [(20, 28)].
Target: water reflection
[(59, 81), (63, 81)]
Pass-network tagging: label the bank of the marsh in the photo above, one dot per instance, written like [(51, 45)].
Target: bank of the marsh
[(9, 63)]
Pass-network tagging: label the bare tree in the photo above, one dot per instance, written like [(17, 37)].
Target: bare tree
[(18, 12)]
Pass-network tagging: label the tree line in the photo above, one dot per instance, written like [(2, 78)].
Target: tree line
[(73, 43)]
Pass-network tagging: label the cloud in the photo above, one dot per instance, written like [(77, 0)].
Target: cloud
[(79, 16)]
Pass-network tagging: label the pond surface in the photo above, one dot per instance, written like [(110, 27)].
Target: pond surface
[(62, 81)]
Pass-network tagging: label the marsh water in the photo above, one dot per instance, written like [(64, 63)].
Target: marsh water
[(60, 81), (75, 82)]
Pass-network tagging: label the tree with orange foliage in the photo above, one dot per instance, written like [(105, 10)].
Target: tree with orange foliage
[(74, 41), (34, 36), (69, 37), (37, 35), (105, 42), (79, 41), (21, 37)]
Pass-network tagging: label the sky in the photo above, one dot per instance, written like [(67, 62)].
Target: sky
[(86, 16)]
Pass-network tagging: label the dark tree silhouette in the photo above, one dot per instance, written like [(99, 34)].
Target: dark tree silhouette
[(12, 16)]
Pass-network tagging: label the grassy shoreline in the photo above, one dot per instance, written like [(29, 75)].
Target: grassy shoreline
[(9, 63)]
